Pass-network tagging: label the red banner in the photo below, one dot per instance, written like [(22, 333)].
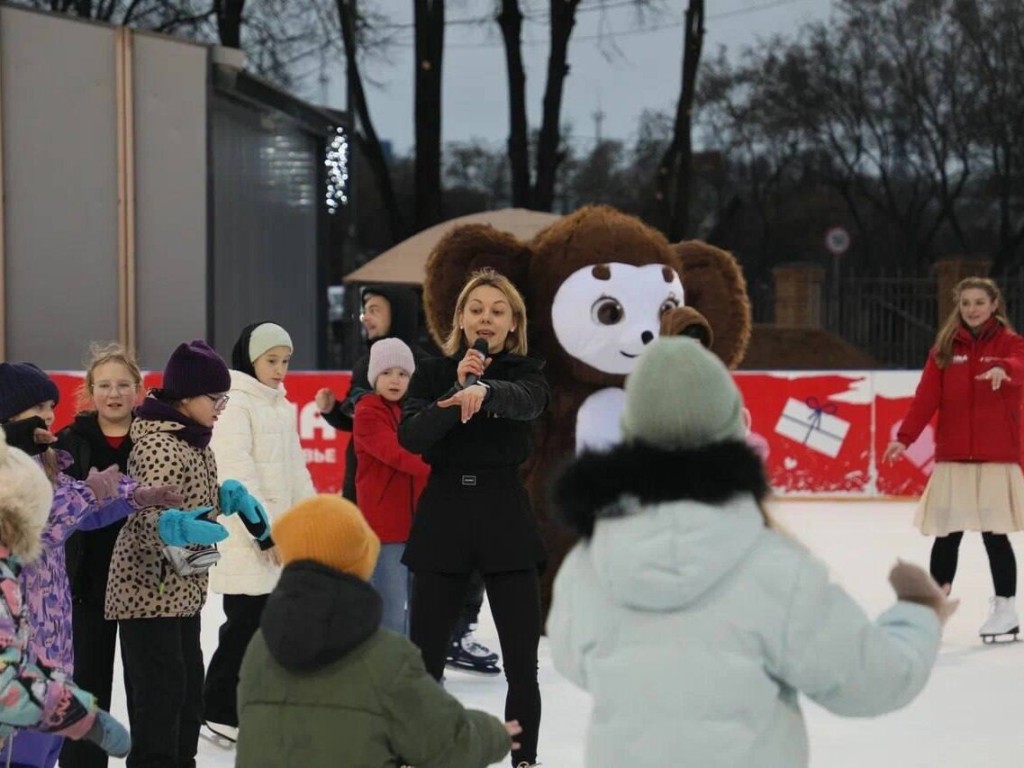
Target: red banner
[(323, 444), (821, 433)]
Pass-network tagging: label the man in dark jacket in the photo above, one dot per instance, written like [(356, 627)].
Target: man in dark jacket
[(392, 311), (322, 684)]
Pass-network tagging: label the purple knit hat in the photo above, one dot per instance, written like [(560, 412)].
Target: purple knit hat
[(195, 369)]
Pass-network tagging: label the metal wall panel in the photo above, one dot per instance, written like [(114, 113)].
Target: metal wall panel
[(171, 261), (265, 205), (60, 184)]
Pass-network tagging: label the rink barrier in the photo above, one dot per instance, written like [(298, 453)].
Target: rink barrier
[(823, 432)]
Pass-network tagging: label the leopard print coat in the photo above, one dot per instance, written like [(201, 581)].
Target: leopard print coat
[(142, 584)]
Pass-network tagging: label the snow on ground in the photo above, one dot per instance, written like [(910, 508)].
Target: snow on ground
[(969, 714)]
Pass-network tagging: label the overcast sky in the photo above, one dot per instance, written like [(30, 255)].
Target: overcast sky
[(636, 67)]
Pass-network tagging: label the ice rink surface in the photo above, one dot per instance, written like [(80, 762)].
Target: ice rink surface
[(970, 714)]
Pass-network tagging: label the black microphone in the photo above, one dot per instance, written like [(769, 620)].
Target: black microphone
[(480, 345)]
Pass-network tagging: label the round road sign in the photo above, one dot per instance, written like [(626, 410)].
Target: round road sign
[(837, 240)]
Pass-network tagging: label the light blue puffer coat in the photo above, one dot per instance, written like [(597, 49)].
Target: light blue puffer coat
[(694, 627)]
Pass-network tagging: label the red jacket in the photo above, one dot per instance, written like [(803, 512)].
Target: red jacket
[(389, 479), (976, 423)]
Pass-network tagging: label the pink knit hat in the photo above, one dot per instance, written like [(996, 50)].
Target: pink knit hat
[(389, 353)]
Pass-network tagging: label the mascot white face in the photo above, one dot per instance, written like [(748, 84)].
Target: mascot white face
[(605, 314)]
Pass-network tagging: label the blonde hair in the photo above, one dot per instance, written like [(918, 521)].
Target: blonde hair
[(101, 354), (946, 334), (516, 340)]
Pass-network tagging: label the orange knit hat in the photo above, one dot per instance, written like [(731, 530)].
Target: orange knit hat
[(329, 530)]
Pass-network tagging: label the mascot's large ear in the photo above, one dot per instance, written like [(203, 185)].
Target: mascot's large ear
[(714, 286), (459, 254)]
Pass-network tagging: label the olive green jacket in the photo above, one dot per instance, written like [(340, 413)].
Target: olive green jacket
[(323, 686)]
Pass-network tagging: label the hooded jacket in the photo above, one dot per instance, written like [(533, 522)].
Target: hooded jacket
[(47, 590), (976, 422), (319, 652), (142, 584), (256, 442), (405, 309), (694, 626), (33, 695)]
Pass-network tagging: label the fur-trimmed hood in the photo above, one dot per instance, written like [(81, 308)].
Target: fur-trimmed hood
[(664, 527), (26, 496), (596, 480)]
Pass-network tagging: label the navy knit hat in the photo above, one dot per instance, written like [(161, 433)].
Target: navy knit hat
[(23, 385), (195, 369)]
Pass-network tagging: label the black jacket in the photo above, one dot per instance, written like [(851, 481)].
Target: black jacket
[(474, 514), (405, 309), (498, 436), (88, 553)]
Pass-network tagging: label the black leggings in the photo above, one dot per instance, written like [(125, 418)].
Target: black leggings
[(1001, 560), (514, 597)]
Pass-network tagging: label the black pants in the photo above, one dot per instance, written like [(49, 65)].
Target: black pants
[(163, 666), (1001, 560), (219, 693), (95, 639), (514, 597), (471, 607)]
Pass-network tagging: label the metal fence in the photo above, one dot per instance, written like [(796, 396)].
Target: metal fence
[(892, 318)]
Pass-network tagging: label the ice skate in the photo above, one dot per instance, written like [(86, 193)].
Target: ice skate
[(1003, 623), (467, 655), (220, 735)]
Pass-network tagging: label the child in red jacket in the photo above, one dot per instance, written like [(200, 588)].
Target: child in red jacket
[(389, 479)]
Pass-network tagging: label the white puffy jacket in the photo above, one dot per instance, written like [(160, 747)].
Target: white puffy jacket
[(256, 442)]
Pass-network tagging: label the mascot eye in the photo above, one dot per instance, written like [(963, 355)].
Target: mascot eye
[(607, 311), (667, 306)]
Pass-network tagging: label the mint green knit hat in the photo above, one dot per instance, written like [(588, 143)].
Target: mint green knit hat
[(681, 396)]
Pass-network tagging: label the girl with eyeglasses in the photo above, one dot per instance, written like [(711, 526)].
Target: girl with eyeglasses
[(158, 572)]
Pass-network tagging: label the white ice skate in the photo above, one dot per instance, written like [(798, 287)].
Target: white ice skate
[(223, 736), (1002, 622)]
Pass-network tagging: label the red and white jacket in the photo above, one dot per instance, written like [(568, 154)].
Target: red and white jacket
[(389, 479), (976, 422)]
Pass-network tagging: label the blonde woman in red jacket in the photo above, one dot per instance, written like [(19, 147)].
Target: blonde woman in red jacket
[(389, 479), (973, 379)]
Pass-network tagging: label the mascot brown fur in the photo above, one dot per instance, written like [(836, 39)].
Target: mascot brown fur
[(598, 285)]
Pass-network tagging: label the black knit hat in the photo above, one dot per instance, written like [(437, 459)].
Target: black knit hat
[(23, 385), (195, 369)]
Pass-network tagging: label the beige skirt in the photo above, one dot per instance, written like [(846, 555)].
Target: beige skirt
[(963, 496)]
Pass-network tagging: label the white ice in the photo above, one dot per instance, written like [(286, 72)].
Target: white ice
[(969, 714)]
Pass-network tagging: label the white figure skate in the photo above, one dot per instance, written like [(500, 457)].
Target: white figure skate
[(1002, 622), (220, 735)]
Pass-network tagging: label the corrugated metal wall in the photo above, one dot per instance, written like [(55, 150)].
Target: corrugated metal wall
[(265, 213)]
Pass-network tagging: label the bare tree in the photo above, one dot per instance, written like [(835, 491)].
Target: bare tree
[(429, 31), (549, 154), (993, 32), (365, 133), (510, 20), (675, 169)]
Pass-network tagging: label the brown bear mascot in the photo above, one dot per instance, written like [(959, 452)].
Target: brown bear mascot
[(599, 285)]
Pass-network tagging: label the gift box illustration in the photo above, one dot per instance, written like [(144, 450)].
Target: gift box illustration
[(814, 424)]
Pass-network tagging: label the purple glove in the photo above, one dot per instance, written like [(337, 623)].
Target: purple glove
[(104, 485), (158, 496)]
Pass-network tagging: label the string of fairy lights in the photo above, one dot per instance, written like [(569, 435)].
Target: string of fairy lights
[(336, 161)]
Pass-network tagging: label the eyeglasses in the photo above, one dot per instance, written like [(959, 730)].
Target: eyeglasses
[(219, 401), (107, 388)]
